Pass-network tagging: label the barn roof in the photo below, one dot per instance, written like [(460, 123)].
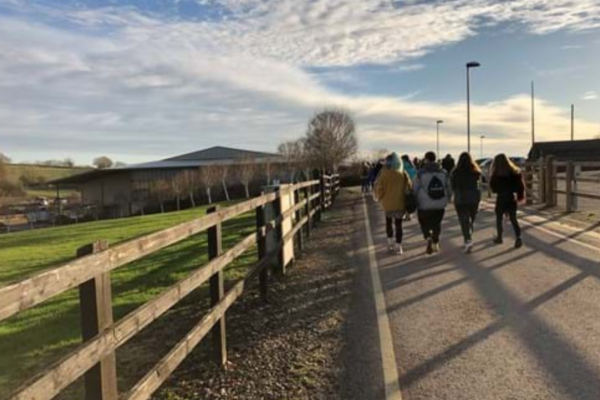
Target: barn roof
[(575, 150), (212, 156)]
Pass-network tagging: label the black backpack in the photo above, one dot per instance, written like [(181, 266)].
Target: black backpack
[(436, 189)]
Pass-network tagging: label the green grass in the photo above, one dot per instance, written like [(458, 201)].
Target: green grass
[(15, 171), (32, 339)]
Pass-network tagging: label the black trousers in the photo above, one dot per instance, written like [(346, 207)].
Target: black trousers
[(431, 223), (507, 205), (390, 224), (466, 216)]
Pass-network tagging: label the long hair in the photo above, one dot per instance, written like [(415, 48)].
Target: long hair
[(502, 166), (466, 164)]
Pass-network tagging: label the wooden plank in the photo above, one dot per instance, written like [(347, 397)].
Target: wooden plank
[(298, 206), (262, 250), (293, 210), (156, 377), (32, 291), (63, 372), (217, 292), (587, 195), (95, 303), (159, 374)]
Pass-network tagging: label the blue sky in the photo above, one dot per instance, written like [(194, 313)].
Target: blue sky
[(143, 79)]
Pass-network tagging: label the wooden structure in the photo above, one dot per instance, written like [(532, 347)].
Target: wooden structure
[(547, 178), (90, 272)]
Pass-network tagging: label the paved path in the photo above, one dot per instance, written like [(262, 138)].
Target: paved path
[(499, 323)]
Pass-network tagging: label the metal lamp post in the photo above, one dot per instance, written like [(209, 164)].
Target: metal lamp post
[(472, 64), (438, 136)]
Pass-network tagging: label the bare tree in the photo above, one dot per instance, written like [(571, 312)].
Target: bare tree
[(224, 175), (103, 162), (192, 184), (331, 139), (160, 191), (179, 187), (246, 172), (209, 175), (293, 156)]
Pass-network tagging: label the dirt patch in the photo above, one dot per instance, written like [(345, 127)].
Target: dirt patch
[(292, 347)]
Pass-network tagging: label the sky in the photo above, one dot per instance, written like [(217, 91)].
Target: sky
[(139, 80)]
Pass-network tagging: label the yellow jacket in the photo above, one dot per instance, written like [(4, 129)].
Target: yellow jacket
[(390, 189)]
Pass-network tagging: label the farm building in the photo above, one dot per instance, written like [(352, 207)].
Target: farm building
[(129, 190), (574, 150)]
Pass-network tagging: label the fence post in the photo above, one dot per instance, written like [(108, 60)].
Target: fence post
[(217, 291), (298, 219), (528, 183), (550, 181), (569, 185), (280, 267), (541, 181), (307, 207), (576, 173), (95, 298), (321, 198), (263, 277)]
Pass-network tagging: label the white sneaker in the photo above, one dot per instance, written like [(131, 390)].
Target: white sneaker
[(399, 249), (468, 246), (390, 244)]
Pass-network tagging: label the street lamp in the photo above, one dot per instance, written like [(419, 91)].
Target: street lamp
[(438, 136), (472, 64), (481, 145)]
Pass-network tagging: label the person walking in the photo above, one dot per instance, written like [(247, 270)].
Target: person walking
[(411, 170), (364, 177), (391, 187), (506, 180), (448, 163), (432, 189), (466, 188)]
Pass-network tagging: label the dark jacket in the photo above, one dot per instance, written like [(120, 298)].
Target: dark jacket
[(466, 187), (448, 164), (507, 186)]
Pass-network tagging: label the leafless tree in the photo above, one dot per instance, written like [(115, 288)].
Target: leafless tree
[(293, 156), (224, 176), (331, 139), (209, 176), (103, 162), (179, 187), (160, 191), (191, 184), (246, 172)]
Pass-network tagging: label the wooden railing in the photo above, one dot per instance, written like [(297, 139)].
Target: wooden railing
[(542, 178), (94, 358)]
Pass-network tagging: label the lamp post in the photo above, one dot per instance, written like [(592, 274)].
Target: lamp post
[(481, 145), (438, 136), (472, 64)]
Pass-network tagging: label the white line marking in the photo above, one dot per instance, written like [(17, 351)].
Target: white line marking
[(388, 357), (552, 233)]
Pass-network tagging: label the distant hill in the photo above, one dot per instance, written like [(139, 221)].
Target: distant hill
[(46, 172)]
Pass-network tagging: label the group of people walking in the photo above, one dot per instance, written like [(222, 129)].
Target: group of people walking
[(427, 186)]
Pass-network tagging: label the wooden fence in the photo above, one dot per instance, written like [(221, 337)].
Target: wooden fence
[(90, 272), (543, 178)]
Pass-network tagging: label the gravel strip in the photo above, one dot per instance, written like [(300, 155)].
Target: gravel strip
[(293, 347)]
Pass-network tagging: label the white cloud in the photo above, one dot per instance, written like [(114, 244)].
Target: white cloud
[(590, 96), (149, 87)]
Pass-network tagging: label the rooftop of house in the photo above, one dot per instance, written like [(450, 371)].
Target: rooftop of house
[(216, 155)]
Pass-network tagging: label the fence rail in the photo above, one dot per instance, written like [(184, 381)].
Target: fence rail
[(542, 179), (94, 358)]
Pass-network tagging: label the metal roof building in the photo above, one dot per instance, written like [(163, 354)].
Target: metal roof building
[(123, 191), (574, 150)]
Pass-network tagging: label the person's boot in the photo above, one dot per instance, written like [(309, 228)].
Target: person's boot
[(429, 246), (498, 240), (518, 243), (436, 247)]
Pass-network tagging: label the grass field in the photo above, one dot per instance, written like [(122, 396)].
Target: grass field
[(32, 339), (15, 171)]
